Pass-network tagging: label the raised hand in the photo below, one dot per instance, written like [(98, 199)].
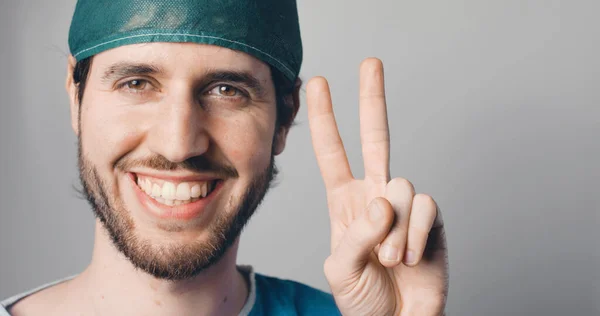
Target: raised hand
[(388, 247)]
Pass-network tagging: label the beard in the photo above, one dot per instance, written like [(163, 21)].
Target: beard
[(172, 261)]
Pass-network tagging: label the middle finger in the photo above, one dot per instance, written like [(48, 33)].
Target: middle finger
[(374, 131)]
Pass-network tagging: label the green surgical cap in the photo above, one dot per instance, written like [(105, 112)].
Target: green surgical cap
[(265, 29)]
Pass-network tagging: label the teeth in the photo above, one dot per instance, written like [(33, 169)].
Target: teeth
[(183, 191), (175, 194), (168, 191), (204, 189), (156, 190), (196, 191), (148, 187)]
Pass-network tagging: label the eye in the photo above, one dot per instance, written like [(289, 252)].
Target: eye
[(225, 91), (136, 84)]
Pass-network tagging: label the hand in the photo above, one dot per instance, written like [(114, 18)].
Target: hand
[(388, 247)]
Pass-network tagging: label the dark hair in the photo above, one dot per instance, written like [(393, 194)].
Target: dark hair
[(283, 90)]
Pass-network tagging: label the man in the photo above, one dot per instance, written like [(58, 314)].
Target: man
[(179, 108)]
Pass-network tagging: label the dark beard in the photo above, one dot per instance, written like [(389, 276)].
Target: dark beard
[(173, 262)]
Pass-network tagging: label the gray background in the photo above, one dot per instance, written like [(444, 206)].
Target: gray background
[(493, 108)]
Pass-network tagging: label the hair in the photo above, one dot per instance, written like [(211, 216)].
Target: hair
[(284, 89)]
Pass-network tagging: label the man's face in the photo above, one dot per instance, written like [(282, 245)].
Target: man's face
[(176, 145)]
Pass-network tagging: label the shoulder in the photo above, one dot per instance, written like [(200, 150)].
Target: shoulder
[(40, 301), (286, 297)]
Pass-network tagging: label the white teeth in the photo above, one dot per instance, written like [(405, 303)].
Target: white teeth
[(148, 187), (171, 194), (196, 191), (156, 190), (168, 191), (183, 191), (204, 189)]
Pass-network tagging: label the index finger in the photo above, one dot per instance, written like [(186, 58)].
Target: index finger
[(327, 143)]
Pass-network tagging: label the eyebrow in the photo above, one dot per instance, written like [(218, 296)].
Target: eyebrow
[(126, 69)]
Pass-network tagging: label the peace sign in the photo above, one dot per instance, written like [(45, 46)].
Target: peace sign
[(388, 247)]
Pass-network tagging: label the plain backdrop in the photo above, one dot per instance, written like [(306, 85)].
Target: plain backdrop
[(493, 108)]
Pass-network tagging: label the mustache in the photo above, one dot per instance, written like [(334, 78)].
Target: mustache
[(194, 164)]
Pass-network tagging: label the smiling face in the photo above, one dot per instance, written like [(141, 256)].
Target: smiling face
[(176, 146)]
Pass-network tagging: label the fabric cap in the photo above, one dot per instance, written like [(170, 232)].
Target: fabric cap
[(265, 29)]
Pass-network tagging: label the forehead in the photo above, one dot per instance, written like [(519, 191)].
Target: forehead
[(180, 58)]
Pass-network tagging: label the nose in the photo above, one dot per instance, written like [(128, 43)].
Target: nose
[(179, 132)]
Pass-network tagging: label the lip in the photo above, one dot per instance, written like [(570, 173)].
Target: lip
[(179, 212), (176, 178)]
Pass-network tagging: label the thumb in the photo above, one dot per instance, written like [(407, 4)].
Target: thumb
[(357, 244)]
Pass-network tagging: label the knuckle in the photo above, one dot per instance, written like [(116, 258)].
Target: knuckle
[(402, 184), (370, 96), (387, 213), (425, 200), (376, 175), (398, 236), (419, 234), (372, 139), (382, 202)]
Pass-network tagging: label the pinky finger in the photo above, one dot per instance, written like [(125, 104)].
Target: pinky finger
[(422, 218)]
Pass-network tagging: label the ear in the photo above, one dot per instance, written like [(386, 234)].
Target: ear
[(293, 100), (71, 88)]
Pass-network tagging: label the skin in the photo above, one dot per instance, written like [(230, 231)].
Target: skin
[(376, 213), (168, 119), (366, 214)]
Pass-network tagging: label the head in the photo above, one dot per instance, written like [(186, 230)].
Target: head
[(176, 146)]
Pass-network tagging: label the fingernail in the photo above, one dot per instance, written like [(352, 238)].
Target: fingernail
[(410, 257), (389, 253), (375, 212)]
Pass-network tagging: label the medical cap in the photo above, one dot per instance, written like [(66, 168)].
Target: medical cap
[(265, 29)]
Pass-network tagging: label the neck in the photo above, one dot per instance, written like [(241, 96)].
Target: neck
[(113, 286)]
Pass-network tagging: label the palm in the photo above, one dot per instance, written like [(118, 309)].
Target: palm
[(361, 282)]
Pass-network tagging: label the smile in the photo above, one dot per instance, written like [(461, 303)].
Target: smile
[(175, 193), (175, 197)]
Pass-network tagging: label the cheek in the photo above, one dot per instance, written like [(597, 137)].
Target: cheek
[(109, 132), (246, 143)]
